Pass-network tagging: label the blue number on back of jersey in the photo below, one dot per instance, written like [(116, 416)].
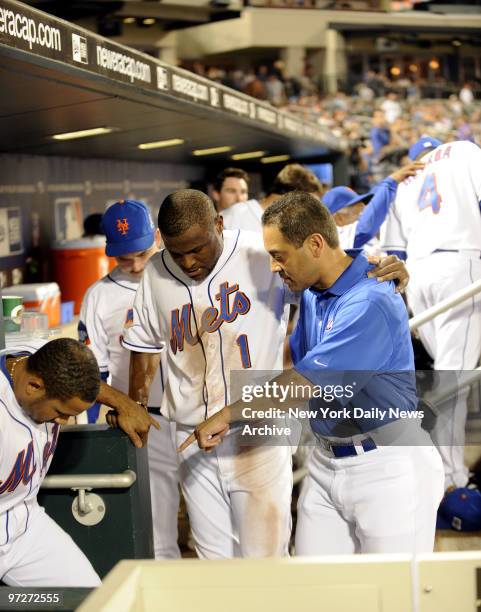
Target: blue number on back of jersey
[(429, 195)]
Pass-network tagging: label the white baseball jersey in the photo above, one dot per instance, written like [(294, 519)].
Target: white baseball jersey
[(347, 234), (26, 450), (439, 208), (106, 310), (234, 319), (244, 216), (34, 550)]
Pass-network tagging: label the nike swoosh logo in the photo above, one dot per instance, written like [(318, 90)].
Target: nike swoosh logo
[(316, 361)]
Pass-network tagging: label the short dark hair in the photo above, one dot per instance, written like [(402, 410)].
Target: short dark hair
[(183, 209), (298, 215), (295, 177), (228, 173), (68, 369)]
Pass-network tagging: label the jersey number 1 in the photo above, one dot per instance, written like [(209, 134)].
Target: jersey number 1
[(429, 195), (243, 345)]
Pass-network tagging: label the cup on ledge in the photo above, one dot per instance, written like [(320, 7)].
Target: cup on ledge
[(12, 307)]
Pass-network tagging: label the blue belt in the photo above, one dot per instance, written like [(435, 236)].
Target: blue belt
[(339, 449)]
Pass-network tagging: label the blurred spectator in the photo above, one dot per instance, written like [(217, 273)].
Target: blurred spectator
[(376, 128), (276, 93), (365, 92), (464, 130), (375, 82), (380, 133), (391, 107), (466, 94), (255, 87)]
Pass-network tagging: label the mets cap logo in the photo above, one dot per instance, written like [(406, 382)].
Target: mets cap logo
[(122, 226)]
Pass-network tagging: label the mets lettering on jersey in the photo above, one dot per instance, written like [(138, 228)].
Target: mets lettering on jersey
[(25, 467), (211, 328), (22, 471), (212, 317)]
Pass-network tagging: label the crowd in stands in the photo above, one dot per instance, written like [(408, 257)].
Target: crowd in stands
[(378, 119)]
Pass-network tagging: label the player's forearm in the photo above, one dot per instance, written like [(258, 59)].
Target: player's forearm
[(143, 368), (296, 391), (116, 399)]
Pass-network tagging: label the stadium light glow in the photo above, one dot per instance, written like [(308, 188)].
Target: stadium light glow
[(159, 144), (212, 151), (83, 133), (249, 155), (275, 158)]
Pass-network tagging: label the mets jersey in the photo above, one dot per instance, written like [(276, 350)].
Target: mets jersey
[(439, 208), (106, 310), (244, 216), (233, 320), (26, 450)]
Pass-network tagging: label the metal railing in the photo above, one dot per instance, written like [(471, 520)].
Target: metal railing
[(75, 482), (89, 508), (450, 302)]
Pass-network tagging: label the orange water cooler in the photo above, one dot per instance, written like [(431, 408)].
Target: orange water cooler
[(77, 264)]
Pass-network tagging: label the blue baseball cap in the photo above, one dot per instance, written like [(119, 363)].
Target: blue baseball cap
[(421, 145), (128, 227), (460, 510), (339, 197)]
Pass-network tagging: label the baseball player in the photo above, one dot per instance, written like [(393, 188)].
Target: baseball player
[(106, 308), (40, 389), (42, 384), (248, 215), (230, 186), (357, 223), (368, 489), (210, 299), (436, 222)]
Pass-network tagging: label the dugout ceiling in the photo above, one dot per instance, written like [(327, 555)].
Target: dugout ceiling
[(57, 78)]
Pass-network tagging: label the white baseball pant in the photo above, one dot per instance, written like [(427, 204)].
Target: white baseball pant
[(452, 339), (164, 488), (238, 497), (44, 556), (382, 501)]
